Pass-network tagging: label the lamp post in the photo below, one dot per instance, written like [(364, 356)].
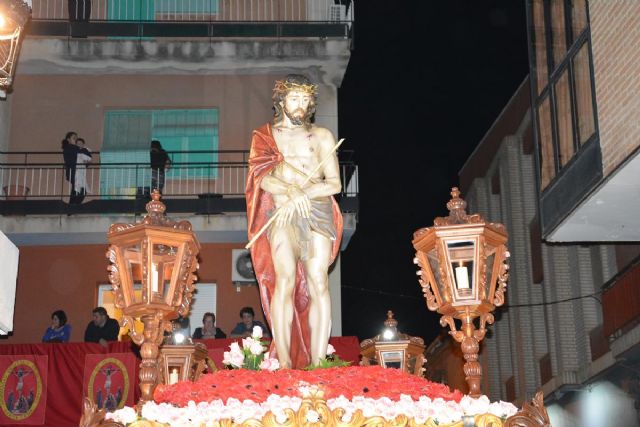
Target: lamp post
[(463, 274), (14, 15), (152, 274), (392, 349)]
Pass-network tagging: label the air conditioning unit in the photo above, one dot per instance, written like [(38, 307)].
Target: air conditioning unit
[(242, 267)]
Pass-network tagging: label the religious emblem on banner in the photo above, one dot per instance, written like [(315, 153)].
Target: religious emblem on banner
[(107, 380), (23, 389)]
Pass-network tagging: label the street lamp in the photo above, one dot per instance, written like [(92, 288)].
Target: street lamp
[(463, 274), (392, 349), (152, 274), (14, 15)]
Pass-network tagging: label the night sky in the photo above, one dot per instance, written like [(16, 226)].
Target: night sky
[(425, 82)]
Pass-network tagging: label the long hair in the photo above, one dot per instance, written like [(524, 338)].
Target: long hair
[(283, 87), (68, 135), (61, 315)]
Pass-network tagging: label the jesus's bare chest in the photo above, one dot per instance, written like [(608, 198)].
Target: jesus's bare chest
[(299, 148)]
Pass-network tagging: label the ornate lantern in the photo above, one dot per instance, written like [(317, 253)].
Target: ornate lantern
[(463, 274), (182, 362), (152, 273), (14, 15), (392, 349)]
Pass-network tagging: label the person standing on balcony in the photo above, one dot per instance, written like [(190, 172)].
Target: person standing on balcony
[(160, 162), (293, 174), (70, 155), (82, 162)]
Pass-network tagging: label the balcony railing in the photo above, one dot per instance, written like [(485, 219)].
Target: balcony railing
[(31, 181), (336, 11)]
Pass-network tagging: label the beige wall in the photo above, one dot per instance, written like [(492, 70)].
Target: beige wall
[(616, 57), (67, 277), (46, 107)]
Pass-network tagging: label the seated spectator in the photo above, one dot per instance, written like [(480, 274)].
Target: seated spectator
[(208, 330), (59, 331), (245, 328), (102, 328)]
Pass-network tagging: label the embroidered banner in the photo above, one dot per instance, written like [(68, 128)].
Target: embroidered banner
[(23, 388), (109, 380)]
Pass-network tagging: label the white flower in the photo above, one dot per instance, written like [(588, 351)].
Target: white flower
[(270, 364), (256, 348), (247, 342), (330, 349), (257, 332), (233, 358), (502, 409), (235, 348), (124, 416), (472, 406)]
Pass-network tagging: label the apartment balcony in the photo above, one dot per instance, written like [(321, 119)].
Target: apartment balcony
[(35, 205), (188, 36)]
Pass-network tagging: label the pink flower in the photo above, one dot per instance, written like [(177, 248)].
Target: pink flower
[(270, 364)]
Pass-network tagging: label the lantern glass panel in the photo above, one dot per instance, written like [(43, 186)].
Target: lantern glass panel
[(392, 359), (434, 264), (133, 259), (491, 257), (163, 260), (461, 258)]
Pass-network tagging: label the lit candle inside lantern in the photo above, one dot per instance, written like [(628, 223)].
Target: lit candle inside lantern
[(154, 278), (173, 376), (462, 277)]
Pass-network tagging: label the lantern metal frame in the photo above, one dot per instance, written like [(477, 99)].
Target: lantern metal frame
[(188, 359), (156, 241), (438, 248)]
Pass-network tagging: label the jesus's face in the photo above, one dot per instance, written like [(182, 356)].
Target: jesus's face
[(296, 106)]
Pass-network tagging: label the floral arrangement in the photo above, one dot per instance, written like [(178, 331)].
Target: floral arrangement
[(255, 389), (252, 355), (430, 401)]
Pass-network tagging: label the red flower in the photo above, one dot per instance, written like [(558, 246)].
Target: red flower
[(242, 384)]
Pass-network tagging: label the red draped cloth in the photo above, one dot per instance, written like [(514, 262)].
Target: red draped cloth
[(264, 156)]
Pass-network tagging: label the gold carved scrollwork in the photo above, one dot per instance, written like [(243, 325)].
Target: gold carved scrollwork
[(533, 414), (425, 284), (129, 322), (454, 332), (114, 277), (503, 276), (482, 286), (487, 420), (442, 262)]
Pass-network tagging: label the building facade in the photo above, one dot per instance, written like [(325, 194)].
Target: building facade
[(197, 76)]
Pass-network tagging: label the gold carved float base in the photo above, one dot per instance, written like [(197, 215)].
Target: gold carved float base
[(314, 412)]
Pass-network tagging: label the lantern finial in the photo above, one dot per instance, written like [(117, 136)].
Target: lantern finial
[(457, 212)]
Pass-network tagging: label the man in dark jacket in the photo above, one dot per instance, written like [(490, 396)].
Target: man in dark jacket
[(102, 328)]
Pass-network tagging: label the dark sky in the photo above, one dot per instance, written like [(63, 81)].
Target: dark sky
[(425, 82)]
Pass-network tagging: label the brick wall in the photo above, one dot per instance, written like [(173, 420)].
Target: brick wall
[(615, 34)]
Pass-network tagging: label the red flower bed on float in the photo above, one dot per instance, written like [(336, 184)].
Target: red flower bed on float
[(371, 381)]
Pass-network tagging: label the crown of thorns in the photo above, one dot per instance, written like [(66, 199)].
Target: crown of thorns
[(285, 86)]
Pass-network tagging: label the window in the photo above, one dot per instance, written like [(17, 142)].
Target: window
[(547, 156), (151, 10), (204, 300), (558, 33), (191, 134), (563, 119), (539, 45), (563, 80), (584, 100)]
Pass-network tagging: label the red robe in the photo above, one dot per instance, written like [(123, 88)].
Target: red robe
[(264, 156)]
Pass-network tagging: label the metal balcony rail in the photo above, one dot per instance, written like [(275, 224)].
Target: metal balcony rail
[(338, 11), (28, 180)]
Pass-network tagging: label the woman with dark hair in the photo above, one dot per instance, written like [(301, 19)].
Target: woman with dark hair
[(209, 329), (245, 328), (59, 331)]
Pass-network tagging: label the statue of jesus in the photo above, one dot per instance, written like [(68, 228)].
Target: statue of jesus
[(293, 174)]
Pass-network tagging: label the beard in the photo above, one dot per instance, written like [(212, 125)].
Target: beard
[(298, 117)]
